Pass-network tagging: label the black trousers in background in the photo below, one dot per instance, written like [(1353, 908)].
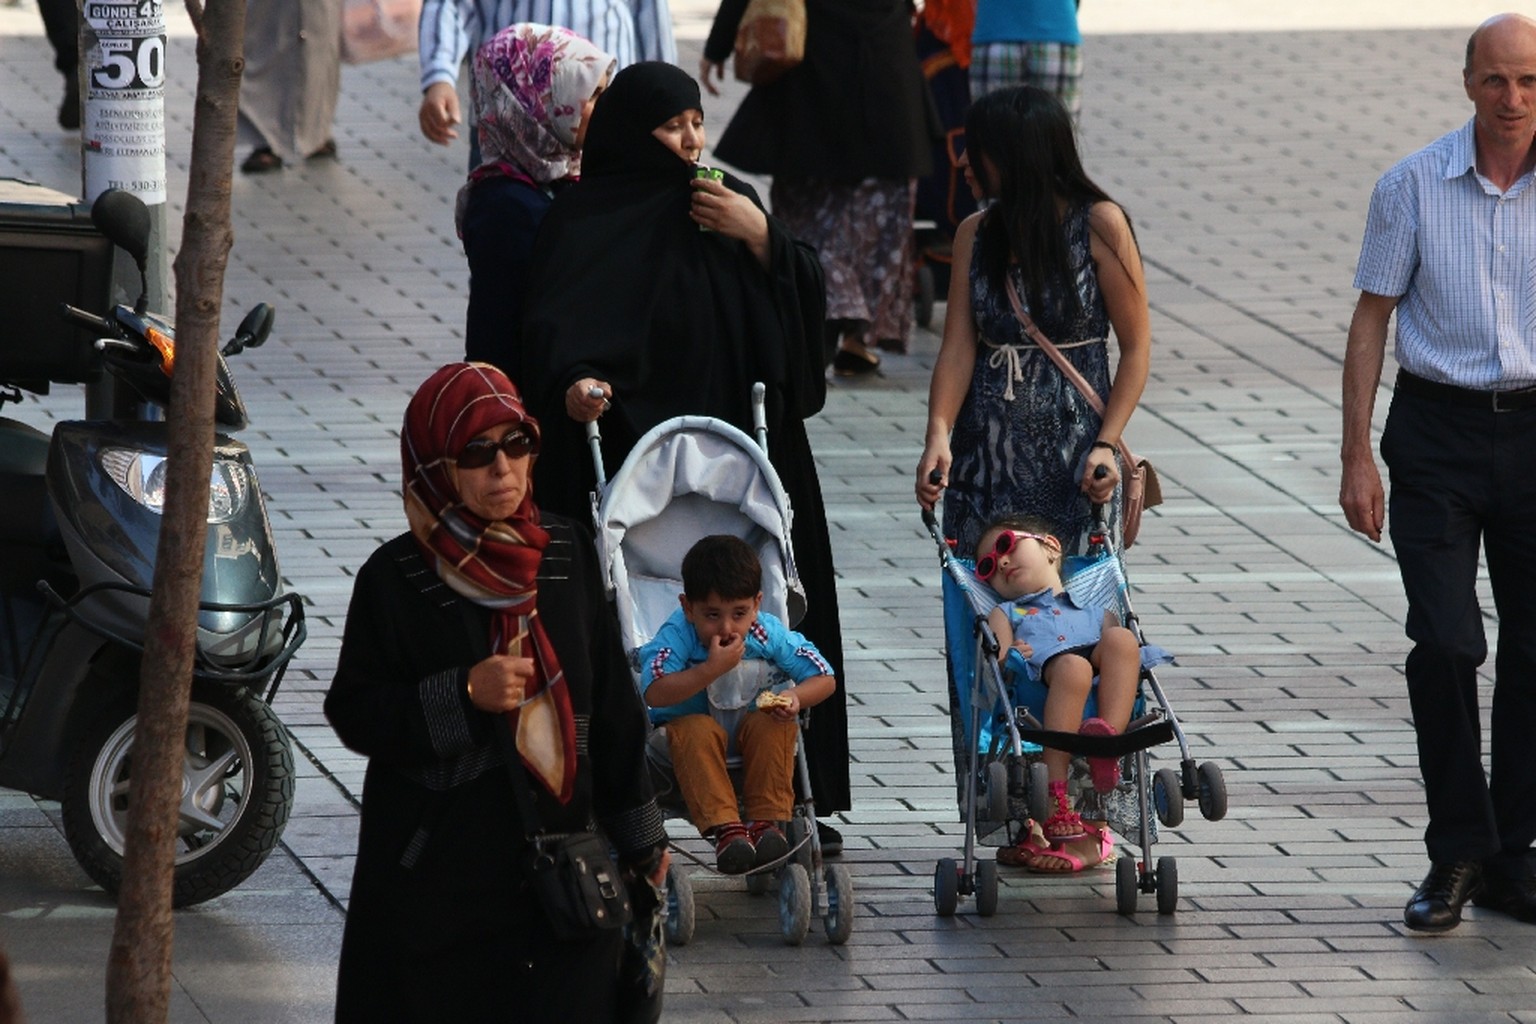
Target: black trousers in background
[(61, 21), (1461, 476)]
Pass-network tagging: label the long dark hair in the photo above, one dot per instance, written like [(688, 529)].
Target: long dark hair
[(1027, 135)]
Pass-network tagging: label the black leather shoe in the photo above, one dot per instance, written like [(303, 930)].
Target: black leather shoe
[(1509, 891), (1436, 904), (831, 839)]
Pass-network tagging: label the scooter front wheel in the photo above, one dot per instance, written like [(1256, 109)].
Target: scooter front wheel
[(237, 791)]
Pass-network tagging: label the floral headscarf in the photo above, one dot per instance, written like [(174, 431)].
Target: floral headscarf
[(494, 564), (530, 82)]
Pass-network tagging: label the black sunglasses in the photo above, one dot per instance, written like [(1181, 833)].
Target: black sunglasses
[(481, 452)]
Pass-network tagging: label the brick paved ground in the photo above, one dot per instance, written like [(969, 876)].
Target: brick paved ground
[(1246, 159)]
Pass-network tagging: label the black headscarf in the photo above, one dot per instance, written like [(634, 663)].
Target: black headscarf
[(617, 142)]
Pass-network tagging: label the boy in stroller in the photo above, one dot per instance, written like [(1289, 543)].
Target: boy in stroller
[(1042, 632), (723, 674)]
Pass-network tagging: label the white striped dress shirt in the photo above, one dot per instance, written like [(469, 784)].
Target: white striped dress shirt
[(630, 30), (1462, 256)]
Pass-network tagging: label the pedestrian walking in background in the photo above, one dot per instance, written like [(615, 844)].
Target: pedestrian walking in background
[(844, 135), (61, 23), (291, 81), (630, 30), (535, 86), (1028, 42), (1450, 241)]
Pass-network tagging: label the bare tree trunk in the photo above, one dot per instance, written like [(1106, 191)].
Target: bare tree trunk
[(139, 963)]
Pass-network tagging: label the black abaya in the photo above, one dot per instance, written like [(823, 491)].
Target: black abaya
[(627, 289)]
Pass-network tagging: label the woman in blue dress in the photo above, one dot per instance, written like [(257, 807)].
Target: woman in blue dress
[(1007, 432)]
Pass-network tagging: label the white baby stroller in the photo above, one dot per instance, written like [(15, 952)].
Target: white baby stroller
[(998, 723), (687, 478)]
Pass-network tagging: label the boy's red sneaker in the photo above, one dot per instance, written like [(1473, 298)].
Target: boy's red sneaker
[(768, 841), (734, 853)]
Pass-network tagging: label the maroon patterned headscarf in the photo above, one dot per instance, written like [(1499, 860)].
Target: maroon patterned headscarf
[(492, 563)]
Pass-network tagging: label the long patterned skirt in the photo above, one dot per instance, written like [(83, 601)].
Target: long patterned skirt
[(863, 232)]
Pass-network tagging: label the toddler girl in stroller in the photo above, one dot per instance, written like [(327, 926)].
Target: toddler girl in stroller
[(1043, 632)]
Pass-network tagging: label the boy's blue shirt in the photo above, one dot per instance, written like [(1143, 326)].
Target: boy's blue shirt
[(676, 646)]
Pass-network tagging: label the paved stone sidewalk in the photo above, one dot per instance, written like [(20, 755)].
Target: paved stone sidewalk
[(1245, 159)]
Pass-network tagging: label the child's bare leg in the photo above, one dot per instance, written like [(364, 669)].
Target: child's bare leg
[(1069, 680), (1117, 657)]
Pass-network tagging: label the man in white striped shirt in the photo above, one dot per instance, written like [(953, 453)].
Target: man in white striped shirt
[(630, 30), (1450, 244)]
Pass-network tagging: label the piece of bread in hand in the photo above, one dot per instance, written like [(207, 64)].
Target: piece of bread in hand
[(768, 699)]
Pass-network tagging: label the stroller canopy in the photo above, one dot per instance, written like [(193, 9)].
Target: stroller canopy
[(687, 478)]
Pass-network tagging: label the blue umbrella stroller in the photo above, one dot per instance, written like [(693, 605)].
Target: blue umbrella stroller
[(687, 478), (997, 722)]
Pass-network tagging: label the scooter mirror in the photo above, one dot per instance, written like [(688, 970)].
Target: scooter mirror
[(257, 325), (123, 218), (253, 330)]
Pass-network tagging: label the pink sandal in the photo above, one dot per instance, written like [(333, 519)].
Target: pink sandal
[(1065, 823), (1105, 771), (1056, 859)]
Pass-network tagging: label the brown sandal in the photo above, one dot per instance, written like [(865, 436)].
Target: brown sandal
[(854, 360)]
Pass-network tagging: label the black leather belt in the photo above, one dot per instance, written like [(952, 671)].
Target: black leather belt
[(1495, 401)]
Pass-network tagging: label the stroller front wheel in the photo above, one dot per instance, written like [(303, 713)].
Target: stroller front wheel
[(986, 888), (1125, 886), (681, 912), (1213, 792), (946, 887), (838, 920), (794, 904)]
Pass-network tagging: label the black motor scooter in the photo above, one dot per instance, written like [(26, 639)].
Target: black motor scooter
[(80, 514)]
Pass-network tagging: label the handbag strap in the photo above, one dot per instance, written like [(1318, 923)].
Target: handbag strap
[(1062, 362)]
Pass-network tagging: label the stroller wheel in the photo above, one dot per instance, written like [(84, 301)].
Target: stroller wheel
[(1167, 885), (758, 882), (997, 791), (946, 887), (838, 920), (1039, 791), (1125, 886), (1213, 792), (794, 904), (986, 887), (1167, 797), (680, 907)]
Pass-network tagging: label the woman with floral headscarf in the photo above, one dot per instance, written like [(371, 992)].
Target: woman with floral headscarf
[(476, 650), (533, 89)]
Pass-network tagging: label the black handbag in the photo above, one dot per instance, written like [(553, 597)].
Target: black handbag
[(573, 876), (577, 883)]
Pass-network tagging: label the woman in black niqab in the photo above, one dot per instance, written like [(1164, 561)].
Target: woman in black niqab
[(672, 320)]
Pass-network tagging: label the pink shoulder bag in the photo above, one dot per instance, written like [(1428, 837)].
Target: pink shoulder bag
[(1141, 490)]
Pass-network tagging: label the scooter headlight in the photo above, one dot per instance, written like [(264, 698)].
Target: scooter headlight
[(142, 476)]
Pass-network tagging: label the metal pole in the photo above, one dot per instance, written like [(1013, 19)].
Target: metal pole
[(122, 144)]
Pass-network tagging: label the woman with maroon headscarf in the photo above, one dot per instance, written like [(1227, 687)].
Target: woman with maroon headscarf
[(477, 647)]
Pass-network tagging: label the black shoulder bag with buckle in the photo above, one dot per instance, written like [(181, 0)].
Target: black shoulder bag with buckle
[(572, 875)]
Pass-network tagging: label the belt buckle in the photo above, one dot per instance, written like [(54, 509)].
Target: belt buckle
[(1516, 399)]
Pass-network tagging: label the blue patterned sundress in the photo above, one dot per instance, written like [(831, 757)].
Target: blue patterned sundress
[(1024, 454)]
